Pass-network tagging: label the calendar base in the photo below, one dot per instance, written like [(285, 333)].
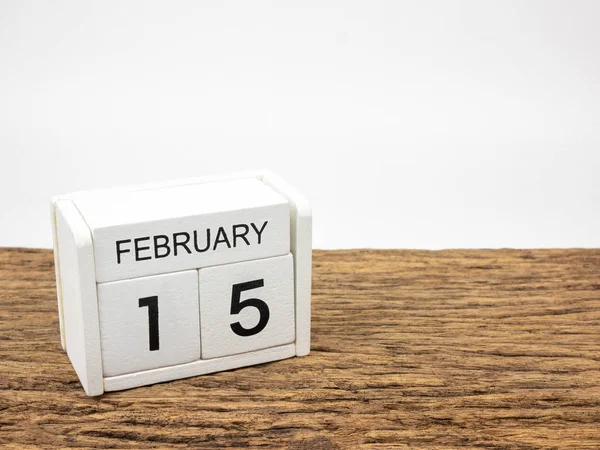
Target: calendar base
[(201, 367)]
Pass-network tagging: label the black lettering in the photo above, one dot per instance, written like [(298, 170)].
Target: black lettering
[(120, 250), (218, 240), (142, 248), (165, 245), (182, 244), (241, 235), (153, 336), (259, 232), (138, 249), (207, 241), (237, 305)]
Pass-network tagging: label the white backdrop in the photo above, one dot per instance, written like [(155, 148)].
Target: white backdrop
[(407, 124)]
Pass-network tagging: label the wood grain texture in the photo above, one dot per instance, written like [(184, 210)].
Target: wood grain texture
[(492, 349)]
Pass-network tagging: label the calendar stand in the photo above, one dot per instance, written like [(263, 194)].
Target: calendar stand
[(78, 294)]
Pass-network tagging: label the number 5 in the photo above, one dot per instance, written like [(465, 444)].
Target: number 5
[(237, 306)]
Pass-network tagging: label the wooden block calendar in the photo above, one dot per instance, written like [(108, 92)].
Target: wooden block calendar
[(171, 280)]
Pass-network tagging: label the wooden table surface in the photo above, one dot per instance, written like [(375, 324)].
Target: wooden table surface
[(493, 349)]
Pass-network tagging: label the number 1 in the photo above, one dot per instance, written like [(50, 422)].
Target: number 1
[(152, 304)]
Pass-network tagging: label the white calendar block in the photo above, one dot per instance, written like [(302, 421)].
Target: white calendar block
[(247, 306), (149, 322), (176, 228), (176, 279)]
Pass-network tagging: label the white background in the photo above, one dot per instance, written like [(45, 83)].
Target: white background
[(407, 124)]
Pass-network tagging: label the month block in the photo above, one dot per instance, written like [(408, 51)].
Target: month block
[(247, 306), (149, 322), (177, 279), (147, 232)]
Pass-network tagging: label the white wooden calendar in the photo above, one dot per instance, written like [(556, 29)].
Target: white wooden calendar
[(171, 280)]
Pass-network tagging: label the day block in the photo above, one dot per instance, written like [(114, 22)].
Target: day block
[(176, 279), (149, 322), (258, 294)]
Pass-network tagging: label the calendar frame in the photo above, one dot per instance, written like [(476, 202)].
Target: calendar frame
[(78, 300)]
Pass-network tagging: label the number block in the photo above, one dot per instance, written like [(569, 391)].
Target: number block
[(149, 322), (255, 302), (177, 279)]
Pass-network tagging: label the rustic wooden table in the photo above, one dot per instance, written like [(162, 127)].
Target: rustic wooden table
[(494, 349)]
